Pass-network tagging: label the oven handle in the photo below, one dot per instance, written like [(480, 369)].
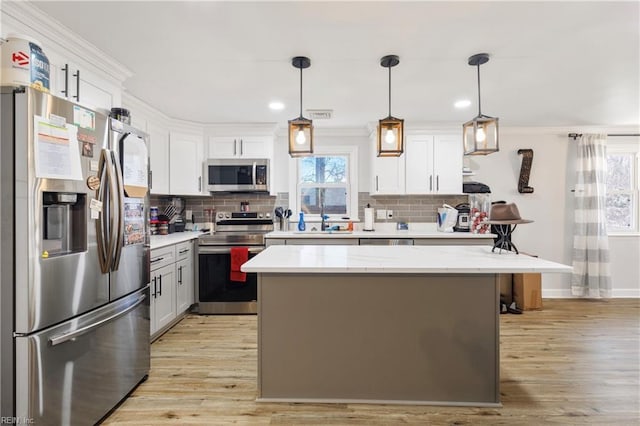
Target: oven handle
[(224, 250)]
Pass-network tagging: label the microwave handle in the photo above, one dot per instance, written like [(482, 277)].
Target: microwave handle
[(253, 173)]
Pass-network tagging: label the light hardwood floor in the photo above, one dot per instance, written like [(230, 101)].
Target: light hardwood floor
[(575, 362)]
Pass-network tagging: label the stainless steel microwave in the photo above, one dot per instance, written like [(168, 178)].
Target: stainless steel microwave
[(238, 175)]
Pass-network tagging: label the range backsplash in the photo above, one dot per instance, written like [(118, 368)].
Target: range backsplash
[(407, 208)]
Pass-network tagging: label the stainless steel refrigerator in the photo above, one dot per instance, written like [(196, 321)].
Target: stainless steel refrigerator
[(74, 260)]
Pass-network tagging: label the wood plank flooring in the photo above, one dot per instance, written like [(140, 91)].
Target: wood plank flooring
[(576, 362)]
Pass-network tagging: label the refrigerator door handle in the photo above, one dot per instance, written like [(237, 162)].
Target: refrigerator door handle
[(105, 245), (120, 223), (61, 338)]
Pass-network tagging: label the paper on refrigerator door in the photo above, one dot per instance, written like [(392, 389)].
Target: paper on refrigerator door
[(135, 166), (56, 150)]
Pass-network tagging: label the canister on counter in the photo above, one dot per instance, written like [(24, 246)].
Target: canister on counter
[(479, 207), (163, 228), (153, 213)]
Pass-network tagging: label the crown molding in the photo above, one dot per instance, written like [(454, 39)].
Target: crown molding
[(62, 40)]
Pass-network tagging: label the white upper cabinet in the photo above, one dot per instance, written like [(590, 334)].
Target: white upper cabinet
[(159, 157), (70, 82), (433, 164), (78, 71), (387, 172), (388, 175), (240, 146), (186, 168)]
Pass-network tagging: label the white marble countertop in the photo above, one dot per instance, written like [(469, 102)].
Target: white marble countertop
[(158, 241), (396, 259), (382, 230)]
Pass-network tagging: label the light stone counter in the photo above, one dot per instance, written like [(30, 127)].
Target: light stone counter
[(382, 324), (398, 260), (159, 241)]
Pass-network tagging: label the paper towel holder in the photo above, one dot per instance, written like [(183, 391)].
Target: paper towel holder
[(368, 218)]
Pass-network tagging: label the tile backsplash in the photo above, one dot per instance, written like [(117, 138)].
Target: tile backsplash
[(407, 208)]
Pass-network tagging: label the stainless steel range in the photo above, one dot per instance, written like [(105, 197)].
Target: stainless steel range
[(217, 292)]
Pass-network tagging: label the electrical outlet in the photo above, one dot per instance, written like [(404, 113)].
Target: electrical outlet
[(382, 214), (188, 214), (389, 214)]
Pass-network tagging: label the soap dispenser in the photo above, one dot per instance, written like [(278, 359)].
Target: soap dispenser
[(301, 225)]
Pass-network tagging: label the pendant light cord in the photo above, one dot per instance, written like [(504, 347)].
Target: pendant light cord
[(300, 91), (389, 91), (479, 108)]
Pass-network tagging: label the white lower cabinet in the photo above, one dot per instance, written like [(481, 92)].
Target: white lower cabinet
[(184, 278), (172, 285), (163, 288)]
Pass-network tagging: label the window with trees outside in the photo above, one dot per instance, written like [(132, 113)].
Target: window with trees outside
[(623, 187), (325, 184)]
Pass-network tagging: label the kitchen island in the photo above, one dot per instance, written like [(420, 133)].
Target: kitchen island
[(405, 324)]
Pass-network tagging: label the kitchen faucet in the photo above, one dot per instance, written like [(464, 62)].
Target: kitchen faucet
[(323, 225)]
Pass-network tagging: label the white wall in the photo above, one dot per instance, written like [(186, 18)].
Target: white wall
[(550, 236)]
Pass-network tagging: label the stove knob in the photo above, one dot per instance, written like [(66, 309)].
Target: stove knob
[(260, 215), (227, 215), (268, 216), (220, 215)]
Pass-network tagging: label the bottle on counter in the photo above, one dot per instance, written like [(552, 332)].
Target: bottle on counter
[(301, 224)]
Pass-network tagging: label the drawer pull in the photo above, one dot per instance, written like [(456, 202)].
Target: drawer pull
[(157, 260)]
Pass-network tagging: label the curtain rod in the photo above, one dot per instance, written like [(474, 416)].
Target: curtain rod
[(577, 135)]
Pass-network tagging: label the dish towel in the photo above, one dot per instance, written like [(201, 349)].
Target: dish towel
[(239, 255)]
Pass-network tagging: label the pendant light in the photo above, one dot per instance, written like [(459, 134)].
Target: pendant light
[(480, 135), (300, 129), (390, 129)]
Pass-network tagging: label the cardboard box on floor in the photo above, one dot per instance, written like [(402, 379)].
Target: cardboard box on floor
[(527, 291)]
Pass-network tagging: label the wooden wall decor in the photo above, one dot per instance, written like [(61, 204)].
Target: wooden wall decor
[(525, 171)]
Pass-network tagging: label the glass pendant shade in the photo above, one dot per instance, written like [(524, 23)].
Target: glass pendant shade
[(300, 129), (390, 137), (300, 137), (480, 135), (390, 129)]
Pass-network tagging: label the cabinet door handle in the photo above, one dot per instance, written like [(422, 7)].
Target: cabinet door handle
[(431, 183), (160, 286), (437, 182), (150, 179), (376, 183), (180, 275), (154, 288), (77, 76), (241, 147), (199, 183), (65, 92), (234, 147)]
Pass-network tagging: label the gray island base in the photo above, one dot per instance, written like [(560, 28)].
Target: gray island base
[(347, 324)]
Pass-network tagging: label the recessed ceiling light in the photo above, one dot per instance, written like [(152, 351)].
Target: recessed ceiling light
[(276, 106), (464, 103)]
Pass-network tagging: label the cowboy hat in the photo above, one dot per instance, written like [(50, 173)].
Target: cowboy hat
[(505, 214)]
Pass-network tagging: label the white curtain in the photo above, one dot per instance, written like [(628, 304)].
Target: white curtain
[(591, 269)]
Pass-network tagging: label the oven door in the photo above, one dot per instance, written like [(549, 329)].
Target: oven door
[(217, 293)]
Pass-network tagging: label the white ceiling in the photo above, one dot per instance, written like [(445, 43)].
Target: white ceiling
[(552, 63)]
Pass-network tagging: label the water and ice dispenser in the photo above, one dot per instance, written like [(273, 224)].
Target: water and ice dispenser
[(64, 223)]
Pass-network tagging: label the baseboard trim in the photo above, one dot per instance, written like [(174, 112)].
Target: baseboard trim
[(557, 293)]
